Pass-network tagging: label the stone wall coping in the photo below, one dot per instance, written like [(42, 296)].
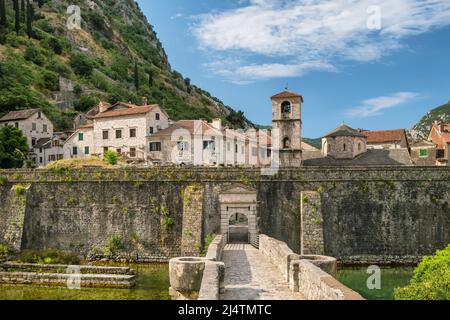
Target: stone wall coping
[(322, 286), (212, 281), (319, 174), (83, 268), (215, 249)]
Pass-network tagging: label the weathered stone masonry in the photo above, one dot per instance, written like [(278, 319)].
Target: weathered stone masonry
[(363, 214)]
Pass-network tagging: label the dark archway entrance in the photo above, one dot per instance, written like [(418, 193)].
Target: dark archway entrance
[(238, 228)]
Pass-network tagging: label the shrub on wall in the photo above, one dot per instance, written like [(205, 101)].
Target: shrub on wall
[(49, 256), (114, 245), (111, 157), (431, 280), (4, 250)]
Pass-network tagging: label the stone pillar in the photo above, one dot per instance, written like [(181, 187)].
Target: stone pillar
[(311, 241), (12, 216), (192, 220)]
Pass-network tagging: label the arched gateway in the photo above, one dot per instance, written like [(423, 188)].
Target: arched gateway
[(239, 202)]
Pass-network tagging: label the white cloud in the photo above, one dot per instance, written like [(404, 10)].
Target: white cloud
[(322, 32), (375, 106)]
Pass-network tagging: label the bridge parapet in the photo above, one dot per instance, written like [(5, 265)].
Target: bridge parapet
[(306, 274)]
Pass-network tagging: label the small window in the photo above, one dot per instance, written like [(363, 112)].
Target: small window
[(345, 147), (105, 134), (155, 146), (132, 152), (183, 145), (40, 160), (33, 142), (105, 149), (152, 130), (118, 134), (209, 145), (74, 151), (16, 125), (254, 151), (423, 153), (228, 146), (359, 146), (236, 148), (86, 150), (157, 117), (44, 128), (40, 150), (286, 143), (119, 151), (33, 126), (39, 115), (133, 133), (80, 136)]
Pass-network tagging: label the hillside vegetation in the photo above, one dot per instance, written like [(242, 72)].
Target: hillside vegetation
[(115, 56), (422, 128)]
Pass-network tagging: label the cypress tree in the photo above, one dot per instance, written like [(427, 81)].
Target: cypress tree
[(23, 11), (17, 16), (29, 19), (2, 13), (136, 76)]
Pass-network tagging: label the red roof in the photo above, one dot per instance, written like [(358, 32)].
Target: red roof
[(287, 94), (125, 112), (384, 136)]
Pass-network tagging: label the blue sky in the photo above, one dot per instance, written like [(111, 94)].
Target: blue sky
[(373, 64)]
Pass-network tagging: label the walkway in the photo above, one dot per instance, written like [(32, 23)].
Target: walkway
[(249, 275)]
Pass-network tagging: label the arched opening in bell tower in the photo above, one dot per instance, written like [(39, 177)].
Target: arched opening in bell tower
[(286, 107)]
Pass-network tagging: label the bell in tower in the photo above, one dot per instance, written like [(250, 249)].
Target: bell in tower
[(287, 118)]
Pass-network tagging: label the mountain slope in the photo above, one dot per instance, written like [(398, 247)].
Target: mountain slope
[(116, 55), (422, 128)]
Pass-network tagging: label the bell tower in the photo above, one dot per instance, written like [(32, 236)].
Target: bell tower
[(287, 118)]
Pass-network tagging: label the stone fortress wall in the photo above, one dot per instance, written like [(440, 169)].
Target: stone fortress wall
[(358, 215)]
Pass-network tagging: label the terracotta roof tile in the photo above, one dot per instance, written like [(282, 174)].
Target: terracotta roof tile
[(19, 115), (125, 112), (384, 136), (287, 94)]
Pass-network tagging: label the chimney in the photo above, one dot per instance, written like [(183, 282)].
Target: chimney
[(144, 101), (103, 106), (217, 123)]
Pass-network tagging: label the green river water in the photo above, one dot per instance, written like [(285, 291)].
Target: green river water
[(391, 278), (152, 283)]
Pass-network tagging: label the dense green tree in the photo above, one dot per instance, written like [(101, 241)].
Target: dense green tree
[(431, 280), (82, 64), (85, 102), (13, 147)]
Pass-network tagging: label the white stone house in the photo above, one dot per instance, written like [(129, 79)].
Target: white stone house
[(124, 128), (32, 122), (48, 150), (80, 144)]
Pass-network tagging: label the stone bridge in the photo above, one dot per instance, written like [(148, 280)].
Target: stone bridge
[(241, 271)]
